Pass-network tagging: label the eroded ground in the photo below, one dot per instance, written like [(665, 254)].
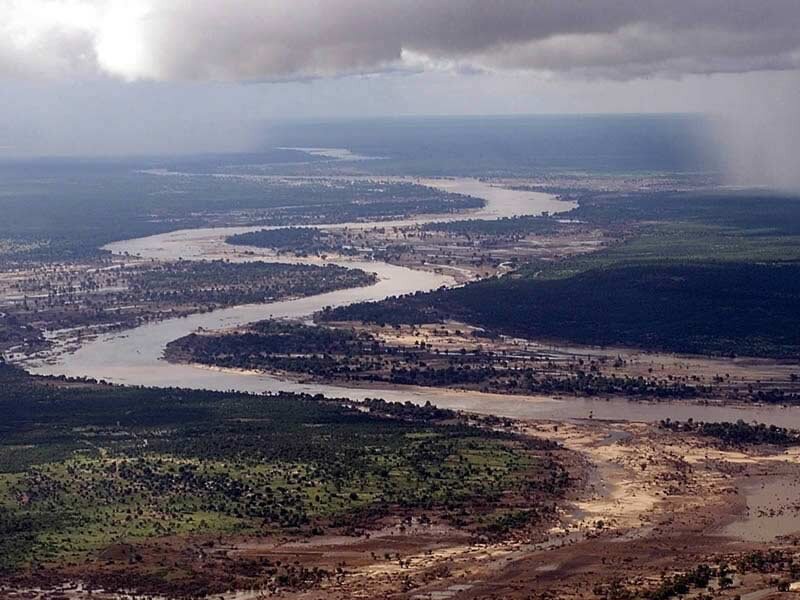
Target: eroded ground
[(654, 507)]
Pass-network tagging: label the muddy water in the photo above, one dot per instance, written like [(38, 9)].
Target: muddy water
[(135, 357), (773, 510)]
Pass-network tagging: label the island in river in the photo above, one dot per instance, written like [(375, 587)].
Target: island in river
[(551, 498)]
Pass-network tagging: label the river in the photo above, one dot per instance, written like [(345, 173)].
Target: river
[(134, 357)]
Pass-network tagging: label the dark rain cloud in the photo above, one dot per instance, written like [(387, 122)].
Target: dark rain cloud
[(295, 39)]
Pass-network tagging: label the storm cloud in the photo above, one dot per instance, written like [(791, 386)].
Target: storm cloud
[(263, 40)]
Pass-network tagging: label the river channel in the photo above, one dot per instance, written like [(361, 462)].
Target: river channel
[(134, 357)]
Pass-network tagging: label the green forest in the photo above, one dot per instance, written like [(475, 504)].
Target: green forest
[(699, 273)]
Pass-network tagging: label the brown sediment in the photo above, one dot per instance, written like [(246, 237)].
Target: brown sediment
[(649, 502), (656, 503)]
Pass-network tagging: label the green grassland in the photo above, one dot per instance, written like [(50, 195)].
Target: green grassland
[(85, 467), (678, 243)]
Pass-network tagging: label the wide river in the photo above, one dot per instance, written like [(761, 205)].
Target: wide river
[(134, 357)]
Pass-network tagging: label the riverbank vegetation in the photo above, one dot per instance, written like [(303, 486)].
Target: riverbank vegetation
[(356, 356), (301, 240), (695, 273), (739, 433), (466, 250), (120, 294), (720, 309), (150, 489)]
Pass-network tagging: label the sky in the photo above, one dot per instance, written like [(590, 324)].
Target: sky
[(99, 77)]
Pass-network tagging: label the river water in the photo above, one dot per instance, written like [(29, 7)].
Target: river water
[(134, 357)]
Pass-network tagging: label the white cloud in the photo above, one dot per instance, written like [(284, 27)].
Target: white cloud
[(234, 40), (46, 37)]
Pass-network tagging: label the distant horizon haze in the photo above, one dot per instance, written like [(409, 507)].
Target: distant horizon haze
[(149, 77)]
